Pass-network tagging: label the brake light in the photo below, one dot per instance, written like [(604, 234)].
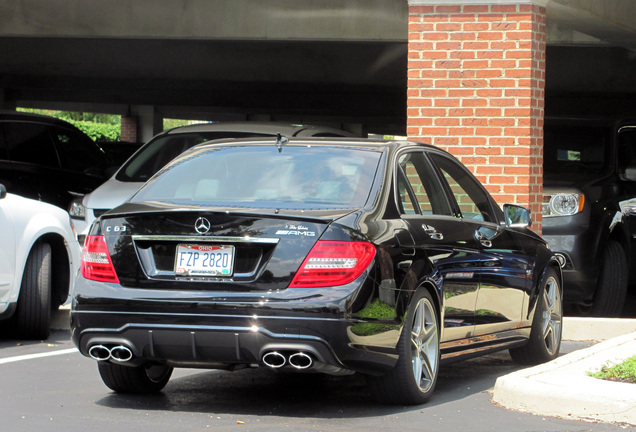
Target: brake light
[(96, 262), (333, 263)]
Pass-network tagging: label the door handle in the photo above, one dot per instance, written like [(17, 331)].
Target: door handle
[(432, 232), (483, 239)]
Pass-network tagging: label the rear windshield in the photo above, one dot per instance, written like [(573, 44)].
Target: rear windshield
[(157, 153), (261, 176)]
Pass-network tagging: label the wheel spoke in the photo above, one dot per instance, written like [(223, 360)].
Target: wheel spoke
[(552, 316), (424, 343)]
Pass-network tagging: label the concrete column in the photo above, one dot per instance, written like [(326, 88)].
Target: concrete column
[(142, 123), (476, 79)]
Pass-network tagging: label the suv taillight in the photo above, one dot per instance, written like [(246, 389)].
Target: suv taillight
[(333, 263), (96, 262)]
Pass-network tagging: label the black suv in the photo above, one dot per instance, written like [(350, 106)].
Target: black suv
[(48, 159), (589, 195)]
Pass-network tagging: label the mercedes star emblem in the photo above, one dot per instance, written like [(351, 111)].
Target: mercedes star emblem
[(202, 225)]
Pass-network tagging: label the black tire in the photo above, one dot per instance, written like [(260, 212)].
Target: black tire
[(33, 313), (413, 379), (547, 325), (134, 379), (611, 289)]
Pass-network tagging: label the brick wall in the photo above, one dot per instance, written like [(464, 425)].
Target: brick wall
[(476, 76), (129, 128)]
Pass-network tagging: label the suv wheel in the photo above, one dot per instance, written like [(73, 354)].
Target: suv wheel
[(611, 288)]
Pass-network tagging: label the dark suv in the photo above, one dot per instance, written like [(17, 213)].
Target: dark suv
[(48, 159), (589, 195)]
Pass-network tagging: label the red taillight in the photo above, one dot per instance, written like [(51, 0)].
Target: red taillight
[(96, 263), (333, 263)]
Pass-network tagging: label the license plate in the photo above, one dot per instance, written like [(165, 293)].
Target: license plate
[(204, 260)]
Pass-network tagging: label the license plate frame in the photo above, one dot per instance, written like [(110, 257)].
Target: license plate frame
[(196, 259)]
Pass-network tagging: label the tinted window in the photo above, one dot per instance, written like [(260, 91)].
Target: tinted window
[(626, 148), (157, 153), (77, 152), (4, 154), (31, 142), (418, 190), (472, 201), (297, 177), (576, 149)]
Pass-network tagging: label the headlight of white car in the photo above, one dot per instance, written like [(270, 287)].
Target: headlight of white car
[(562, 204), (76, 209)]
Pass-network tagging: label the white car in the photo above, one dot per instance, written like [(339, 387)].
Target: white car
[(164, 147), (39, 259)]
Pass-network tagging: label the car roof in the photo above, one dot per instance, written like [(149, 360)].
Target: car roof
[(272, 128), (362, 143), (22, 116)]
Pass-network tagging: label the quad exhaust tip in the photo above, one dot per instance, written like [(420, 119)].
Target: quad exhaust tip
[(118, 353)]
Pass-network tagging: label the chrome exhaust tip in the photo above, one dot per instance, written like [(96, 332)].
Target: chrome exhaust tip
[(274, 359), (562, 259), (300, 360), (99, 352), (121, 353)]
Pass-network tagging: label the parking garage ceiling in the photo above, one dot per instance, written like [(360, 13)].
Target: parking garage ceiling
[(328, 61)]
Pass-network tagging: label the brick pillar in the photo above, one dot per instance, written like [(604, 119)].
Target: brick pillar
[(129, 128), (476, 79)]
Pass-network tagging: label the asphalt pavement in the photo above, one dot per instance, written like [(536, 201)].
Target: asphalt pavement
[(561, 388)]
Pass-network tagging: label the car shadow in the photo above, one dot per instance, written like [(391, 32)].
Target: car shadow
[(264, 392)]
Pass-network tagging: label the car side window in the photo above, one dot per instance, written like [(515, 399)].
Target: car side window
[(626, 149), (472, 201), (77, 152), (4, 154), (31, 143), (418, 191)]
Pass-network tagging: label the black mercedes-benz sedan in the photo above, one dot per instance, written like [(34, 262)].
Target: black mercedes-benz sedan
[(327, 255)]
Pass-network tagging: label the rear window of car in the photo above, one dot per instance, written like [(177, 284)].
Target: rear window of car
[(157, 153), (261, 176)]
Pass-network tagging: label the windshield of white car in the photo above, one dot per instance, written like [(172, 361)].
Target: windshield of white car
[(157, 153)]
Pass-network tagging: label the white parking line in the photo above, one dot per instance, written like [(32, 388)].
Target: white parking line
[(34, 356)]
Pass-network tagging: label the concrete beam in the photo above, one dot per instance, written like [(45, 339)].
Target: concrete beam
[(368, 20)]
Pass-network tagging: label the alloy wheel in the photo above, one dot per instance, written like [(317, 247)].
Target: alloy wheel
[(552, 316), (424, 345)]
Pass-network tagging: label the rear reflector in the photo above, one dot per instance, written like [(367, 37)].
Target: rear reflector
[(96, 263), (333, 263)]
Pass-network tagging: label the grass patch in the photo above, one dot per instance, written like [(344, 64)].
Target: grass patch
[(623, 372)]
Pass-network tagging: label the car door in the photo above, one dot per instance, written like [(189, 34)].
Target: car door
[(627, 174), (445, 239), (504, 270)]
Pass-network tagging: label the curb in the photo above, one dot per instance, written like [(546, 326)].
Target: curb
[(562, 388)]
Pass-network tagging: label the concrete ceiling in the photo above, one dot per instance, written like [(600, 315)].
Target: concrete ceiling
[(329, 61)]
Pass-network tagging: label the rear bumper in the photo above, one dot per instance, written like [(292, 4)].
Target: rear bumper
[(233, 332)]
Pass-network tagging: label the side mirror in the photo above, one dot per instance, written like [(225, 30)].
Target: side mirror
[(3, 191), (517, 216)]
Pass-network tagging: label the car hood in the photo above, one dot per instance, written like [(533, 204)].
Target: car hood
[(111, 194)]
